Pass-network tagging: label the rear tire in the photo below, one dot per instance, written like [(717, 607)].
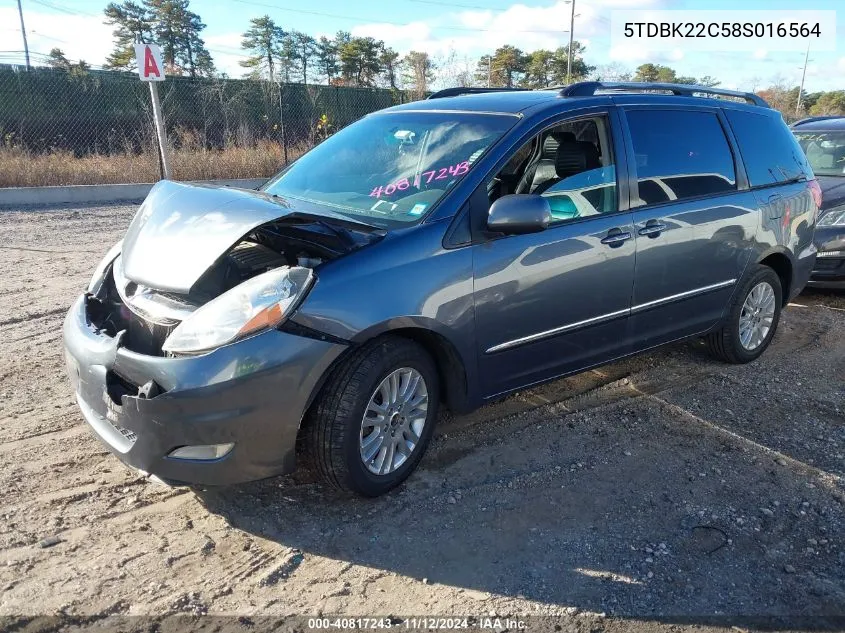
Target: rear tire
[(337, 433), (752, 319)]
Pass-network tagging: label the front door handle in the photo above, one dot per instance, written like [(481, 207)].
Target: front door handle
[(652, 228), (616, 237)]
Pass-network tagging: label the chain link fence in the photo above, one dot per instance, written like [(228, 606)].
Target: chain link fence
[(92, 127)]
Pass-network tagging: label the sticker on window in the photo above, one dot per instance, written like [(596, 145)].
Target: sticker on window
[(426, 177), (417, 209)]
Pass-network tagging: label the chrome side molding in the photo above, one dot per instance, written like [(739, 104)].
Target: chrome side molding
[(609, 316)]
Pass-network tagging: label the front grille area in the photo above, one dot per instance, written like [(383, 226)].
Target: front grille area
[(109, 312), (145, 337)]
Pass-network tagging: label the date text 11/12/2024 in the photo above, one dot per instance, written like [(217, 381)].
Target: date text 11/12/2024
[(426, 623), (438, 173)]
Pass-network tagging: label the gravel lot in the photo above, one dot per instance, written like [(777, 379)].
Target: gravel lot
[(666, 489)]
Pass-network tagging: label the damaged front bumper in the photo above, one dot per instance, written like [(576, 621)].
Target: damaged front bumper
[(252, 393)]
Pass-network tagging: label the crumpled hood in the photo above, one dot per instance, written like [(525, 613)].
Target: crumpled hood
[(181, 230)]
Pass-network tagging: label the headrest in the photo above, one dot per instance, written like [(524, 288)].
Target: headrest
[(553, 140), (570, 159), (592, 154), (550, 145)]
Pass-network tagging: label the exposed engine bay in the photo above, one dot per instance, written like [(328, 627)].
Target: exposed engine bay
[(147, 316)]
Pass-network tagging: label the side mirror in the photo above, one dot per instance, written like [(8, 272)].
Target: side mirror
[(519, 213)]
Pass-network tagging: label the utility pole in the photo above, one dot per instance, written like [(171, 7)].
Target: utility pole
[(23, 32), (803, 75), (571, 36)]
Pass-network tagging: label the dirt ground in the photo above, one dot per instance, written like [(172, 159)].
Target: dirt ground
[(663, 490)]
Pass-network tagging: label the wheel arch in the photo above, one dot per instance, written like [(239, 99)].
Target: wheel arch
[(780, 261), (453, 367)]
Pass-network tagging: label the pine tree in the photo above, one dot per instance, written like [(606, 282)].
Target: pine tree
[(177, 30), (56, 59), (264, 41), (327, 58), (537, 72), (197, 58), (170, 24), (509, 63), (302, 50), (133, 23), (168, 19), (359, 60), (559, 64), (391, 65)]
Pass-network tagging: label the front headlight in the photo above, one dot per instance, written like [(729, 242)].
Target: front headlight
[(257, 304), (833, 217), (100, 271)]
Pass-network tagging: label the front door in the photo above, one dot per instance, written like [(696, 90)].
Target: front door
[(556, 301)]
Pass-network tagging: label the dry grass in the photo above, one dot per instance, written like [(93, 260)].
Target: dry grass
[(20, 168)]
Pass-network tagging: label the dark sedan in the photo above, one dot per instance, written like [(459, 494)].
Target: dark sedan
[(823, 140)]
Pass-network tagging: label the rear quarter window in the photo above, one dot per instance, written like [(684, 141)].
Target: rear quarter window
[(769, 150)]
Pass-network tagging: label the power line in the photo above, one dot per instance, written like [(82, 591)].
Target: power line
[(600, 18), (48, 37), (462, 6), (63, 9), (226, 53), (360, 20)]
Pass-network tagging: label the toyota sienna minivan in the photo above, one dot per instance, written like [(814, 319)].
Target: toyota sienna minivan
[(444, 252)]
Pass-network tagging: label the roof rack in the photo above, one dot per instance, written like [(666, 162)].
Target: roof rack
[(454, 92), (589, 88), (810, 119)]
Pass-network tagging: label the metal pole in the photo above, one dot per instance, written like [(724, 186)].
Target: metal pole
[(282, 122), (571, 35), (160, 132), (803, 75), (23, 32)]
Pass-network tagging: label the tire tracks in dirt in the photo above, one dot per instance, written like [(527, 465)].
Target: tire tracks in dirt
[(34, 316)]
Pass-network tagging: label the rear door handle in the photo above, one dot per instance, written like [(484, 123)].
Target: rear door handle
[(616, 237), (653, 228)]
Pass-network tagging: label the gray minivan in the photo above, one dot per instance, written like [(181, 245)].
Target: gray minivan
[(442, 252)]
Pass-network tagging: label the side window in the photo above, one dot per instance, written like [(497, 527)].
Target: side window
[(571, 165), (680, 154), (769, 150)]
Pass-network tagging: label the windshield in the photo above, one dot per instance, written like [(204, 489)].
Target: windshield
[(391, 167), (825, 151)]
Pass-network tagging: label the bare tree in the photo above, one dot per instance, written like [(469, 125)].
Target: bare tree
[(419, 72), (611, 72), (455, 72)]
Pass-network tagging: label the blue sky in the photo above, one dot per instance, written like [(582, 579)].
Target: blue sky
[(440, 27)]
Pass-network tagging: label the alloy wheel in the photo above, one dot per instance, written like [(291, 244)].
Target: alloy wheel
[(758, 313), (393, 421)]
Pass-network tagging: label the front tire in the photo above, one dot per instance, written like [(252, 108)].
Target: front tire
[(753, 317), (375, 416)]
